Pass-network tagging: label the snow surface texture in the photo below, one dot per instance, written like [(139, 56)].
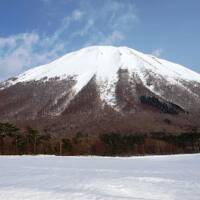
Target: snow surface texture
[(74, 178), (103, 62)]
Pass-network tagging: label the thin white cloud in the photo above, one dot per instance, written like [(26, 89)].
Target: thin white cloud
[(84, 31), (77, 14), (109, 23), (157, 52), (16, 52), (25, 51), (12, 41), (113, 37)]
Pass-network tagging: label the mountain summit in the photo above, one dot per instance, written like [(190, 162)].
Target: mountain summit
[(103, 83)]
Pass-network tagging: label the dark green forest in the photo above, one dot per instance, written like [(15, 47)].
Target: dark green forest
[(30, 141)]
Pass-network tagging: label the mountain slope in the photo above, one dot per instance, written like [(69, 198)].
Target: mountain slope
[(118, 81)]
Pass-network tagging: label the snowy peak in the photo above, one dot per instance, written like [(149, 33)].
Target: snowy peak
[(105, 61)]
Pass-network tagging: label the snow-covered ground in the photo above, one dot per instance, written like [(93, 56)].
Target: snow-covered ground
[(80, 178)]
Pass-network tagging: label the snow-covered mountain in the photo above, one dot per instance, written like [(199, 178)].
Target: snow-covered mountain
[(123, 79)]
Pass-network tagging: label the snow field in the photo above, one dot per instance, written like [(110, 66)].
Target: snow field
[(97, 178)]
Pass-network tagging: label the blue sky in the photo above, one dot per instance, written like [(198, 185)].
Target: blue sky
[(34, 32)]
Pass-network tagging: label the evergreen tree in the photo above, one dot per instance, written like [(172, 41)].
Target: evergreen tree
[(33, 136), (7, 129)]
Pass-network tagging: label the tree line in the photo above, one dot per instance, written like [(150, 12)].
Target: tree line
[(30, 141)]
